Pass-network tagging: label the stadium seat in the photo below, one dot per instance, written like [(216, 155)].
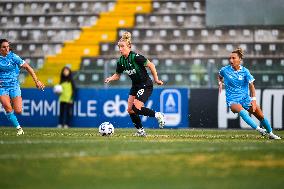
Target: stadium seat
[(197, 6), (246, 32), (229, 47), (4, 20), (95, 77), (280, 79), (232, 32), (165, 77), (190, 33), (82, 77), (145, 48), (174, 30)]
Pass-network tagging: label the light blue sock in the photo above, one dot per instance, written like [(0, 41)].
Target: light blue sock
[(245, 116), (13, 119), (266, 124)]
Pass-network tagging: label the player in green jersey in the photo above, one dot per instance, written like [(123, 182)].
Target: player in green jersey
[(135, 66)]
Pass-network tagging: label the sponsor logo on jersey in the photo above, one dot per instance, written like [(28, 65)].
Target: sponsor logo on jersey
[(130, 72)]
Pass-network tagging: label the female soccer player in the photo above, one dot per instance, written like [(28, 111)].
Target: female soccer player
[(10, 93), (142, 86), (240, 93)]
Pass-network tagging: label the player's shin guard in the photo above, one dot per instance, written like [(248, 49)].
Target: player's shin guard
[(144, 111), (136, 120), (266, 124), (13, 119), (245, 116)]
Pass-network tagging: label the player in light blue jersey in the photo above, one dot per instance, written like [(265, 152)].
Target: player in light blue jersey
[(10, 93), (240, 93)]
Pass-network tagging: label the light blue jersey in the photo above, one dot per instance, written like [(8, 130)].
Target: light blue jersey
[(10, 69), (237, 85)]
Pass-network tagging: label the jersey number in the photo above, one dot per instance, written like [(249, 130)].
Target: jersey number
[(140, 92)]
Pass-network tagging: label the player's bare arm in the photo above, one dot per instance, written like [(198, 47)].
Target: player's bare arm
[(252, 94), (153, 70), (220, 83), (29, 69), (114, 77)]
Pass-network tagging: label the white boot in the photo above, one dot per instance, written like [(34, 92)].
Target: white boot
[(273, 136), (141, 133), (161, 119), (262, 131), (20, 131)]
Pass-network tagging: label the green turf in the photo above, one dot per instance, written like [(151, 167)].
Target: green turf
[(80, 158)]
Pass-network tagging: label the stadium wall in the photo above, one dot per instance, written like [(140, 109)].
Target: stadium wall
[(194, 108), (209, 110), (94, 106), (244, 13)]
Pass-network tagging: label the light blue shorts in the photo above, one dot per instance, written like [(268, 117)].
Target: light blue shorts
[(13, 92), (246, 103)]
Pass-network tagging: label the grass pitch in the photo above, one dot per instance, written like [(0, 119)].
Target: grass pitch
[(181, 159)]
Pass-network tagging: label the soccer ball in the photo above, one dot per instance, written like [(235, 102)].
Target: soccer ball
[(106, 128), (57, 89)]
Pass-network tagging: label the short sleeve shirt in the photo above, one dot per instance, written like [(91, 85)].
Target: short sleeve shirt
[(10, 69), (134, 67), (236, 82)]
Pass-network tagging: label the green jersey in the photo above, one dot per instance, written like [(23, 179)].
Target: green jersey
[(134, 66)]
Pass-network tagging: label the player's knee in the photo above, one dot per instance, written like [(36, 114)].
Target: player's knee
[(135, 109), (8, 109)]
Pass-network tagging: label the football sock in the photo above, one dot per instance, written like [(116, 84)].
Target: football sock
[(144, 111), (266, 124), (245, 116), (136, 120), (13, 119)]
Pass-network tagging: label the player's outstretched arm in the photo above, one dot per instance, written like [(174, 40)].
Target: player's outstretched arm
[(220, 83), (153, 70), (253, 97), (29, 69), (114, 77)]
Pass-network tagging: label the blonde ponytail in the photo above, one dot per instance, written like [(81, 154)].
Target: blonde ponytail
[(126, 37)]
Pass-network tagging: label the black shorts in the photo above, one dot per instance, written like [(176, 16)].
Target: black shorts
[(141, 93)]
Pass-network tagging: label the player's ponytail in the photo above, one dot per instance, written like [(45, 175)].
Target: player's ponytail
[(126, 37), (240, 52)]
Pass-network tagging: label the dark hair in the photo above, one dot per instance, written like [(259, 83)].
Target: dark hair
[(68, 78), (63, 77), (240, 52), (3, 40)]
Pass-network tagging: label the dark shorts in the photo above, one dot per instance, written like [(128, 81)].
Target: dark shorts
[(141, 93)]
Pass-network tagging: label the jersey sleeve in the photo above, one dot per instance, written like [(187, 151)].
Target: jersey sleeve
[(140, 59), (221, 72), (249, 77), (18, 60), (119, 68)]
